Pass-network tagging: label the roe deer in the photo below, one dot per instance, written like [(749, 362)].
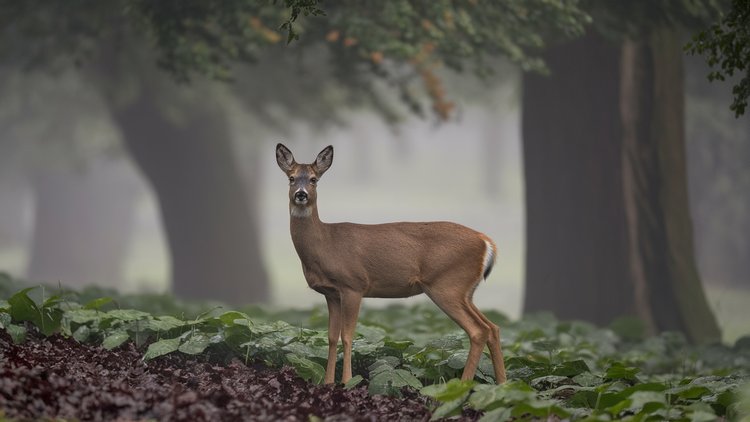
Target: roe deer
[(346, 262)]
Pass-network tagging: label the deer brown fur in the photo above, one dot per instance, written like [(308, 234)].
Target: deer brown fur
[(346, 262)]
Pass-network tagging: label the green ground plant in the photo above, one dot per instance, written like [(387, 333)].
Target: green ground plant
[(570, 369)]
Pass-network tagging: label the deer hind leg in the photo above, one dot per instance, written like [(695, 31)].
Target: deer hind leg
[(334, 332), (493, 342), (458, 307)]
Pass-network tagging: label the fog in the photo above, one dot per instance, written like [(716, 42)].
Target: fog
[(64, 163)]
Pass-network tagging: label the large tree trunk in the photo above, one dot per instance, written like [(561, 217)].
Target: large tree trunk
[(82, 224), (668, 288), (576, 239), (210, 227)]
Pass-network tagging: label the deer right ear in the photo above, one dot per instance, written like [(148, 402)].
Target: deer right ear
[(284, 158)]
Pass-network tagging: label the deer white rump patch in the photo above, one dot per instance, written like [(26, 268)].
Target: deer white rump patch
[(489, 259)]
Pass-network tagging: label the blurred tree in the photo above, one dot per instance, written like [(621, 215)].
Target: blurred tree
[(56, 138), (624, 243), (213, 253), (576, 236)]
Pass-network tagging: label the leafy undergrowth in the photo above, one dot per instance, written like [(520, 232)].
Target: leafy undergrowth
[(556, 369)]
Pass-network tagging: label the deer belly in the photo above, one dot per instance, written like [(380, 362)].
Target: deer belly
[(394, 288)]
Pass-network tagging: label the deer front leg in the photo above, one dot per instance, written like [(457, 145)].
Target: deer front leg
[(350, 302), (334, 332)]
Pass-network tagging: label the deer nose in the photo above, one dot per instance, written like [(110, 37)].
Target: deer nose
[(300, 196)]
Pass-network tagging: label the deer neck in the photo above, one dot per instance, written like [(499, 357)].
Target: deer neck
[(307, 229)]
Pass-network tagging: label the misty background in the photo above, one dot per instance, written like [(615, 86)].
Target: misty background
[(76, 210)]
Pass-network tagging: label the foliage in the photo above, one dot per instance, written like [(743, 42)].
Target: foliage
[(569, 369), (401, 41), (726, 47)]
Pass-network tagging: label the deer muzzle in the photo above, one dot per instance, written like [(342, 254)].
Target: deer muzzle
[(300, 197)]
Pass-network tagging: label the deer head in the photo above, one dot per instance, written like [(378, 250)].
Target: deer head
[(303, 178)]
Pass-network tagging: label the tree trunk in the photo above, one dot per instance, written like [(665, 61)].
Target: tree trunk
[(82, 225), (210, 227), (576, 238), (669, 294)]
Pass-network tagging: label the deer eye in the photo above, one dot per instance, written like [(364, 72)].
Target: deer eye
[(291, 179), (314, 181)]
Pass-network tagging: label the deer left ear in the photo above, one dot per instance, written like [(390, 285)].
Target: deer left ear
[(324, 160)]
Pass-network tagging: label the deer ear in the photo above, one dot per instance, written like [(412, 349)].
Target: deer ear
[(324, 160), (284, 158)]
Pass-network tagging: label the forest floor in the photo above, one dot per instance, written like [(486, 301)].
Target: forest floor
[(57, 377)]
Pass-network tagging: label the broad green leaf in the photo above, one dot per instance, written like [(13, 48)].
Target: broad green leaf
[(488, 397), (364, 347), (587, 379), (549, 382), (398, 344), (163, 324), (353, 382), (115, 339), (97, 303), (195, 344), (570, 368), (52, 301), (5, 319), (525, 369), (500, 414), (540, 408), (639, 399), (446, 343), (127, 314), (17, 333), (82, 316), (703, 416), (390, 382), (618, 371), (386, 363), (306, 369), (82, 333), (370, 333), (229, 318), (619, 406), (457, 360), (302, 349), (449, 408), (22, 308), (690, 392), (161, 347), (449, 391), (585, 398)]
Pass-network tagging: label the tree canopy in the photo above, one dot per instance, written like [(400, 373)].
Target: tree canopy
[(726, 46), (402, 41)]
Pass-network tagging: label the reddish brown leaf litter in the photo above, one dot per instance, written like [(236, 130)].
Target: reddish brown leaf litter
[(57, 377)]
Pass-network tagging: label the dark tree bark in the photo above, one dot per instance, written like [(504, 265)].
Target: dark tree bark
[(576, 239), (669, 293), (210, 227), (82, 225), (603, 135)]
